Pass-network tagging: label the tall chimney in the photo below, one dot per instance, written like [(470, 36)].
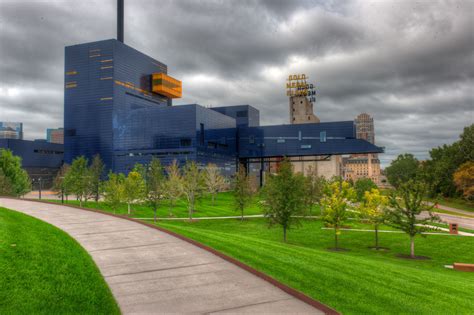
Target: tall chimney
[(120, 20)]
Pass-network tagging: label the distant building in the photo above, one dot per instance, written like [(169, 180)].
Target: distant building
[(365, 128), (363, 165), (55, 135), (11, 130), (301, 112), (39, 158)]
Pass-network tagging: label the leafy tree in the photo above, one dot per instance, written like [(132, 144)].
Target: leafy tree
[(242, 190), (439, 170), (402, 169), (362, 185), (464, 180), (406, 205), (114, 191), (155, 185), (173, 185), (96, 170), (60, 185), (192, 185), (78, 179), (214, 180), (337, 201), (134, 188), (284, 197), (14, 175), (315, 185), (5, 185), (373, 209)]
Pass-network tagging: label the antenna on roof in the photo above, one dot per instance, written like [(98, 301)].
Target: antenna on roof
[(120, 20)]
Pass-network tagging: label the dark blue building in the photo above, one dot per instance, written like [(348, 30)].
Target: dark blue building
[(110, 109), (39, 158)]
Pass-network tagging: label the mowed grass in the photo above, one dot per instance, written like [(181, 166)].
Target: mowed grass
[(45, 271), (361, 281), (223, 206)]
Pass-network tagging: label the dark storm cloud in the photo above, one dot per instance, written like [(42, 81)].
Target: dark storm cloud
[(409, 64)]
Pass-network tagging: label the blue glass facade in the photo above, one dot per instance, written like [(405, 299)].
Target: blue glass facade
[(245, 115), (109, 110)]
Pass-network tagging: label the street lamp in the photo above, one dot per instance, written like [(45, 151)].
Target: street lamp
[(38, 180)]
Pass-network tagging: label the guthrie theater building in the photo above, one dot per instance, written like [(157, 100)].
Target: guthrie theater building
[(118, 103)]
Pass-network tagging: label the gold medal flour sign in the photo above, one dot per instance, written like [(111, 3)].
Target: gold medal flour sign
[(297, 85)]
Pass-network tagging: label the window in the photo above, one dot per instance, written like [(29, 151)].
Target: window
[(299, 135), (201, 135), (322, 136), (306, 146), (185, 142), (280, 140), (251, 139)]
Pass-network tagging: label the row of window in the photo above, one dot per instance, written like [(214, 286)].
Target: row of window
[(43, 151)]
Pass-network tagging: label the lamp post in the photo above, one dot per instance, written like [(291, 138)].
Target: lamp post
[(38, 180)]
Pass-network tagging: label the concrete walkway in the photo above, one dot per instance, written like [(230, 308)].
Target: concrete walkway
[(150, 271)]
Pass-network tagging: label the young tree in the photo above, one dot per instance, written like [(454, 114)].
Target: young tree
[(402, 169), (114, 190), (155, 185), (373, 210), (242, 190), (315, 185), (406, 205), (173, 185), (78, 178), (60, 184), (192, 185), (464, 180), (362, 185), (214, 180), (96, 170), (5, 185), (338, 198), (134, 188), (14, 175), (284, 197)]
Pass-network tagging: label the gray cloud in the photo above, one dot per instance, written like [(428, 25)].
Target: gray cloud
[(409, 64)]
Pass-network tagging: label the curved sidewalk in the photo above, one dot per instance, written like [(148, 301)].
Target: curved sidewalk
[(150, 271)]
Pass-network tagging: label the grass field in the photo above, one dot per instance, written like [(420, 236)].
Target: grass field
[(359, 281), (44, 271), (223, 207)]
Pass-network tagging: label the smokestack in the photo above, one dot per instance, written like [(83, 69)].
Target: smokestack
[(120, 20)]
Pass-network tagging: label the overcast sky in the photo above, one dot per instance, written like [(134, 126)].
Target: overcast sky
[(410, 64)]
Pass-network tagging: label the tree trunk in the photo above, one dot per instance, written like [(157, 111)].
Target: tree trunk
[(242, 213), (412, 247), (284, 234), (80, 202), (377, 236), (128, 205), (336, 240), (212, 199)]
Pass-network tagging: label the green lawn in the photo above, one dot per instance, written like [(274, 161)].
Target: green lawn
[(223, 207), (45, 271), (355, 282)]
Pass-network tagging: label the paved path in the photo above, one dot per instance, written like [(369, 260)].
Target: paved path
[(150, 271), (464, 222)]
